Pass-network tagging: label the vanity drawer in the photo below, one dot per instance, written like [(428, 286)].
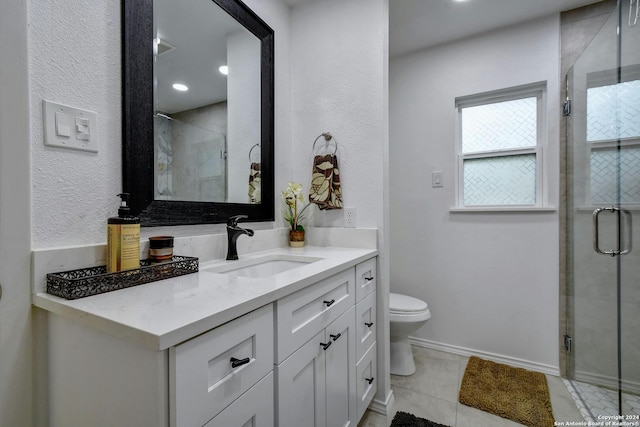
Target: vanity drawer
[(365, 324), (365, 278), (202, 379), (366, 381), (255, 408), (303, 314)]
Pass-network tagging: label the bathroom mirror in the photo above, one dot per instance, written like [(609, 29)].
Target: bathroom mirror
[(205, 154)]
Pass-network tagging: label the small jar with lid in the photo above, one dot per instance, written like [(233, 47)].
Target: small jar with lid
[(160, 248)]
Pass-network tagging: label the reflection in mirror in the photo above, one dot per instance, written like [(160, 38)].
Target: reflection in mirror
[(190, 161), (206, 117), (207, 153)]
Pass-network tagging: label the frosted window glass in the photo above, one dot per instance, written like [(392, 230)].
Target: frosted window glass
[(604, 180), (613, 111), (499, 126), (507, 180)]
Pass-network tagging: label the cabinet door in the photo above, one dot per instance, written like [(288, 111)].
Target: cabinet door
[(252, 409), (341, 371), (365, 324), (300, 387)]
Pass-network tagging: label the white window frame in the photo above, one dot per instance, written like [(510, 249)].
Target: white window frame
[(537, 90)]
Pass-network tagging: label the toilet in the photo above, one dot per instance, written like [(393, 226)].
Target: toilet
[(406, 315)]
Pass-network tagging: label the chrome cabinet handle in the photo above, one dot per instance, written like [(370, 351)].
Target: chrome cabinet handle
[(239, 362), (596, 237)]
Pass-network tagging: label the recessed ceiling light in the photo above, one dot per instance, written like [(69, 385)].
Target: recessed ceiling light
[(180, 87), (224, 69)]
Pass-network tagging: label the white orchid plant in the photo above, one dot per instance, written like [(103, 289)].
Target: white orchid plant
[(294, 206)]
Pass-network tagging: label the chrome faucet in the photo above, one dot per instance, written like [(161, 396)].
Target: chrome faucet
[(233, 232)]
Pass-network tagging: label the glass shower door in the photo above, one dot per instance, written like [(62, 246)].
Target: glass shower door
[(603, 151)]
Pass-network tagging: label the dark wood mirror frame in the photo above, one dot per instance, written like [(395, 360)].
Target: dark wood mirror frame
[(137, 123)]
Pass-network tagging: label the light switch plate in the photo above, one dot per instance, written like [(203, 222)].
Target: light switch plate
[(436, 179), (69, 127)]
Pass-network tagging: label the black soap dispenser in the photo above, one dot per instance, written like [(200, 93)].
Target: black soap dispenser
[(123, 238)]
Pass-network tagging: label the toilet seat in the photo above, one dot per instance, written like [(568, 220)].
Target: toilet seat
[(406, 305)]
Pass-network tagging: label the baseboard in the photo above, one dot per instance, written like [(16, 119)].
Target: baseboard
[(463, 351), (607, 381), (383, 407)]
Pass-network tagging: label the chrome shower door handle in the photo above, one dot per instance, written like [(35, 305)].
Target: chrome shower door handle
[(627, 243), (596, 238)]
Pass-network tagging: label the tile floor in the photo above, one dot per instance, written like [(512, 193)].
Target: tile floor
[(432, 393), (594, 401)]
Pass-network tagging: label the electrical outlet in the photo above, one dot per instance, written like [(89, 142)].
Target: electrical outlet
[(350, 217)]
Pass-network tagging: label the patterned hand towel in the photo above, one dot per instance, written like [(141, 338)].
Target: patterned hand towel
[(255, 194), (325, 183)]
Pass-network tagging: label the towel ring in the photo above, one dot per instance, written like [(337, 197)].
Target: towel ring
[(251, 150), (327, 137)]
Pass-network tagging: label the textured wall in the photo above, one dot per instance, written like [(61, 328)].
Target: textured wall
[(75, 60), (490, 279), (74, 55), (338, 87)]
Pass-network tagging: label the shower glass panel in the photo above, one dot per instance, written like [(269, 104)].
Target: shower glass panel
[(603, 204), (190, 162)]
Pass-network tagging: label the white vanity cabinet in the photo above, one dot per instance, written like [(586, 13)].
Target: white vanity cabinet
[(320, 343), (307, 357)]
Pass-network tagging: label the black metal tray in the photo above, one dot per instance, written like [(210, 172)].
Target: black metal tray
[(84, 282)]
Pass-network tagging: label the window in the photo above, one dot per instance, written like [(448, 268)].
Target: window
[(500, 139), (613, 136)]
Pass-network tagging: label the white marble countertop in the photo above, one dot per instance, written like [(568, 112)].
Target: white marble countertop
[(161, 314)]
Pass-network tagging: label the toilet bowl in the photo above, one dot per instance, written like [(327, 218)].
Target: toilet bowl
[(406, 315)]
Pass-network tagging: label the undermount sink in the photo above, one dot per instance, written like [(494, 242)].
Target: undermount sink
[(265, 266)]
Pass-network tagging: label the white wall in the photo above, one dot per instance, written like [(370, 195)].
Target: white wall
[(490, 279), (15, 223), (243, 89), (339, 84), (74, 54)]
